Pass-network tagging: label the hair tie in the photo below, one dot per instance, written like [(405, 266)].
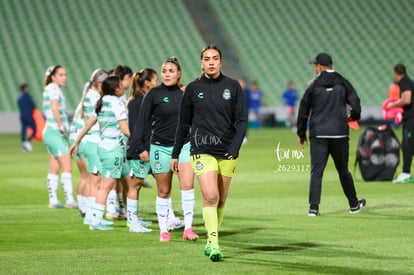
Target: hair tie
[(49, 70)]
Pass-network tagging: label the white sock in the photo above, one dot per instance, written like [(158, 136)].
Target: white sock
[(171, 214), (97, 213), (161, 206), (111, 202), (66, 179), (52, 186), (132, 211), (81, 203), (188, 202), (90, 201)]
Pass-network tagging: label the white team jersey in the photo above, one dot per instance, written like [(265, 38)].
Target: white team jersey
[(53, 92), (113, 110), (77, 124), (89, 105)]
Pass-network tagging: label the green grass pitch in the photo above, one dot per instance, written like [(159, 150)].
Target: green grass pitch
[(266, 229)]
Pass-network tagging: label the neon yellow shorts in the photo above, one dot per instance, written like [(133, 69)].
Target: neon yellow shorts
[(205, 163)]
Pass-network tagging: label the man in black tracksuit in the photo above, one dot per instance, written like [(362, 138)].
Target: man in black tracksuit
[(406, 101), (324, 105)]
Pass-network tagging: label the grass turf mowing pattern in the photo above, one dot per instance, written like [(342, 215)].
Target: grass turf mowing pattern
[(266, 229)]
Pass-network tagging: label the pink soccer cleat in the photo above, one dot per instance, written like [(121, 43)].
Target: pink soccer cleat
[(189, 235), (165, 237)]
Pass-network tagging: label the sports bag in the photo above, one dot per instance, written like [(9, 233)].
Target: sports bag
[(378, 153)]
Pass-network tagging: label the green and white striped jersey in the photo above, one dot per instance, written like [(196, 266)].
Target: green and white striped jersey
[(53, 92), (113, 110), (89, 105)]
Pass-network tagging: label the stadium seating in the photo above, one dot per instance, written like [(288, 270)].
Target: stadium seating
[(84, 35), (276, 39)]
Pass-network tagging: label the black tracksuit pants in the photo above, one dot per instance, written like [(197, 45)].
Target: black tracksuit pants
[(408, 144), (320, 149)]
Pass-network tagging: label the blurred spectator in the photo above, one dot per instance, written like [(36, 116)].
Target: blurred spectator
[(26, 106), (255, 101), (394, 91), (290, 96), (246, 92)]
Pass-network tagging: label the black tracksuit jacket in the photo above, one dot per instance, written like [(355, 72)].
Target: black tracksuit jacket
[(157, 120), (214, 112), (325, 100)]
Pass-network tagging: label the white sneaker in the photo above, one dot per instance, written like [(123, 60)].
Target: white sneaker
[(401, 178), (175, 224), (112, 216), (137, 228), (72, 204), (56, 205), (27, 146)]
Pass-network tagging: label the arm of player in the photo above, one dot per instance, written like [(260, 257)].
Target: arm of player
[(88, 125)]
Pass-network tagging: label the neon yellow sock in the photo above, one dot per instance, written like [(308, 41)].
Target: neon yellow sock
[(220, 216), (211, 224)]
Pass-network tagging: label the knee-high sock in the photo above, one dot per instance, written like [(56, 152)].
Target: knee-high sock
[(90, 202), (132, 211), (52, 186), (220, 216), (211, 224), (188, 202), (171, 214), (111, 202), (81, 202), (66, 179), (97, 213), (161, 206)]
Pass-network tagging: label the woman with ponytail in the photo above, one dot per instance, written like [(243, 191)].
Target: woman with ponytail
[(92, 92), (120, 191), (55, 137), (110, 112), (155, 132), (142, 82)]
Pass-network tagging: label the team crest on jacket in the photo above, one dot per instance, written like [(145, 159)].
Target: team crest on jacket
[(226, 94)]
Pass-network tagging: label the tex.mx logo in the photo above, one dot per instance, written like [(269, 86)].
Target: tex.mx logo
[(283, 153), (166, 99)]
